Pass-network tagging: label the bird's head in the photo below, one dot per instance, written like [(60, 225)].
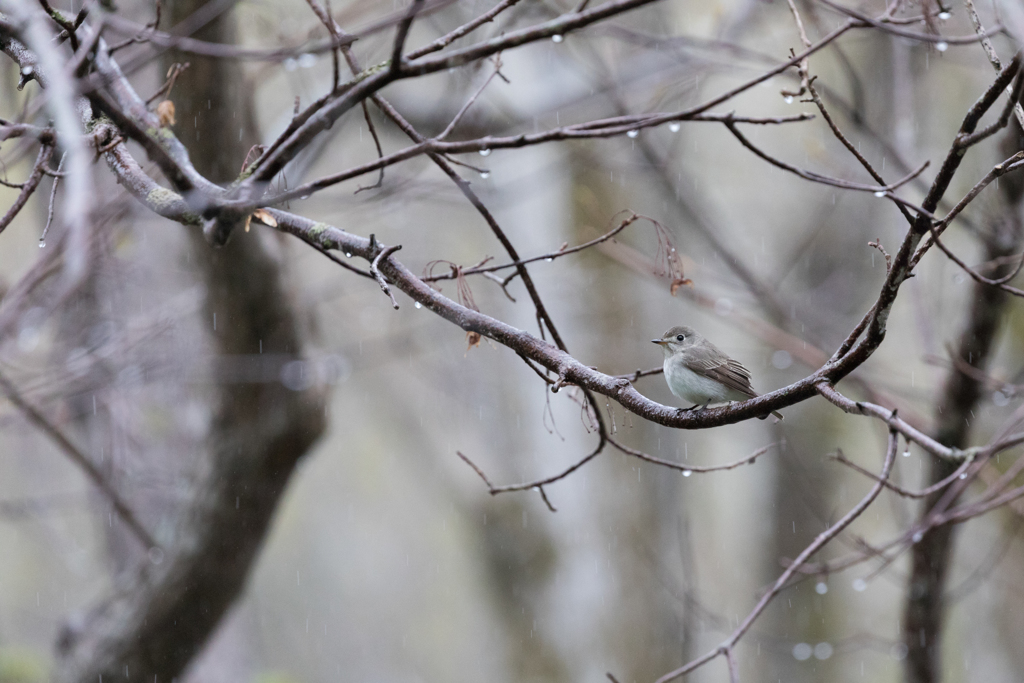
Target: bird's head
[(677, 338)]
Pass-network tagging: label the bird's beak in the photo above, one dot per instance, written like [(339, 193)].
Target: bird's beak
[(657, 341)]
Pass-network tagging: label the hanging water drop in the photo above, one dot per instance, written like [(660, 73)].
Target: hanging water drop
[(821, 588), (674, 126), (418, 305), (42, 243), (944, 15), (687, 473), (632, 133), (906, 453), (788, 99), (485, 174), (880, 193), (348, 254), (942, 46), (549, 259), (156, 555), (556, 38), (484, 152)]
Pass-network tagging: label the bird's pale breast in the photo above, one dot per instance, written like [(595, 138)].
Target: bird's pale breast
[(698, 389)]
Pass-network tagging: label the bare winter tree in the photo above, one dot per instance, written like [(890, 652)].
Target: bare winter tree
[(156, 121)]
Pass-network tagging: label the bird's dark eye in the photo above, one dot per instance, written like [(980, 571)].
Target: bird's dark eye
[(680, 337)]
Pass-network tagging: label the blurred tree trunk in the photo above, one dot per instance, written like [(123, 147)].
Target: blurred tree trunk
[(160, 617), (649, 630), (924, 609)]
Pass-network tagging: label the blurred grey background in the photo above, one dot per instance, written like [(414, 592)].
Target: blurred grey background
[(388, 560)]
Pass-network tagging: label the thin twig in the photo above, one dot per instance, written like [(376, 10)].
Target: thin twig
[(891, 420), (29, 186), (447, 39), (880, 190), (53, 198), (687, 469), (802, 67), (402, 33), (607, 128), (164, 90), (80, 459), (851, 147), (324, 15), (819, 542), (495, 490), (469, 103), (550, 256), (375, 269), (907, 493), (544, 497), (913, 35), (376, 142)]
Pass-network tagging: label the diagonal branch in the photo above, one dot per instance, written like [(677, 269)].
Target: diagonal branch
[(80, 459), (29, 186), (817, 544)]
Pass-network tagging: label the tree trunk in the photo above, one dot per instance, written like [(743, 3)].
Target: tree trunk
[(160, 616)]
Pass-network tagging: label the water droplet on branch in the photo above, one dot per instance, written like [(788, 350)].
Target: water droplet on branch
[(632, 133)]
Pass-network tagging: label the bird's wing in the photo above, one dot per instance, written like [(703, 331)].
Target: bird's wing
[(723, 369)]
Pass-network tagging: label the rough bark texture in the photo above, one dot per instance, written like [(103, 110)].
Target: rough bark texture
[(923, 612), (161, 616)]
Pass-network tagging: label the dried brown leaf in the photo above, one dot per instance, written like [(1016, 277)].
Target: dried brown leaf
[(679, 282), (263, 216), (165, 112)]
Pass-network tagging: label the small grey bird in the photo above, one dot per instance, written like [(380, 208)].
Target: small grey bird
[(697, 371)]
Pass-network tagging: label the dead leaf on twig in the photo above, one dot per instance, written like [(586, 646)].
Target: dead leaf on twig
[(679, 282), (263, 216), (670, 263), (165, 112), (465, 294)]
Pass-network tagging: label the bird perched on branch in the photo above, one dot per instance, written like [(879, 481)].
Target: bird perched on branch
[(697, 371)]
